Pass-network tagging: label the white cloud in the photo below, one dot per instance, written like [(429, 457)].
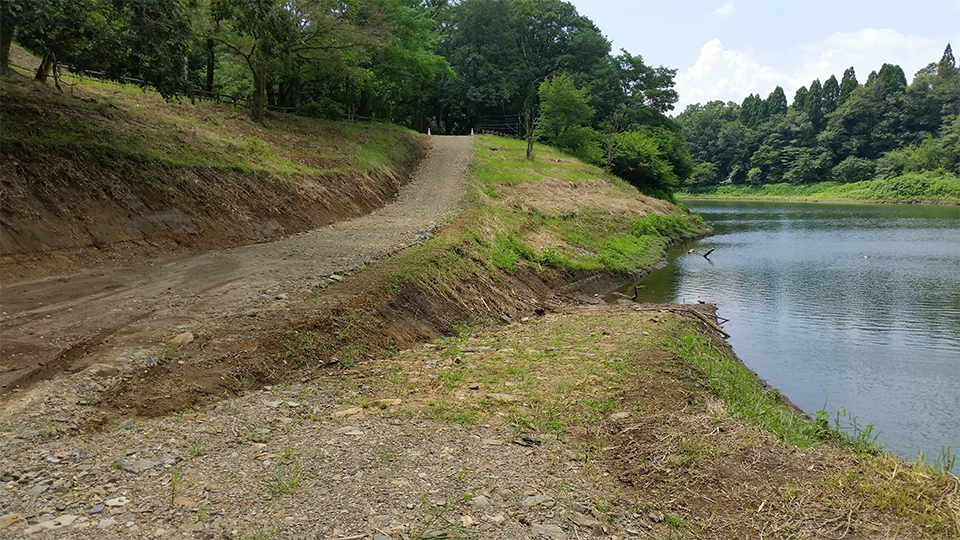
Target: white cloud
[(731, 75), (726, 75), (726, 10), (866, 50)]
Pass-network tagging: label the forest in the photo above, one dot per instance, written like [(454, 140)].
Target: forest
[(840, 131), (532, 69)]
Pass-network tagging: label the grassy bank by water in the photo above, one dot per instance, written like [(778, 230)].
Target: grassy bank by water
[(484, 324), (924, 188), (662, 420), (642, 404), (527, 230)]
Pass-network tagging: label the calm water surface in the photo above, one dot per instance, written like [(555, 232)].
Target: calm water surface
[(838, 305)]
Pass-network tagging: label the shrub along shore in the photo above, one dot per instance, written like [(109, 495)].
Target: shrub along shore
[(913, 188)]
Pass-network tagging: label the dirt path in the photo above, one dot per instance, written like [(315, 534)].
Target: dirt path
[(66, 323)]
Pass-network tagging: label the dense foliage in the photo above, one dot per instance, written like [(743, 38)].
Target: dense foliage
[(528, 68), (843, 132)]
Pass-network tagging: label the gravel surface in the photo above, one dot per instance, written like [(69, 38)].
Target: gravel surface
[(299, 461), (66, 323)]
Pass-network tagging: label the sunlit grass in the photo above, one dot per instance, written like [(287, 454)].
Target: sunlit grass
[(941, 188), (124, 128)]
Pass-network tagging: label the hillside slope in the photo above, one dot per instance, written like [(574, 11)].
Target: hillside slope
[(456, 388), (106, 173)]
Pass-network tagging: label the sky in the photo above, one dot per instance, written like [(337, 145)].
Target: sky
[(728, 49)]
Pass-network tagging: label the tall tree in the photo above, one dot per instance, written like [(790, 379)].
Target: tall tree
[(847, 85), (813, 105), (947, 59), (800, 98), (251, 30), (891, 78), (563, 110), (646, 86), (830, 96), (776, 102)]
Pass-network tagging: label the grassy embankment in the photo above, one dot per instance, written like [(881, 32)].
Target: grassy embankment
[(644, 398), (123, 127), (923, 188), (118, 173), (529, 226)]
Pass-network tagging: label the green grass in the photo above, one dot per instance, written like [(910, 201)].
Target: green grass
[(737, 387), (284, 484), (126, 129), (923, 187), (589, 239)]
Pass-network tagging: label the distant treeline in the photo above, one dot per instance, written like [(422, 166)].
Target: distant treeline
[(533, 69), (835, 131)]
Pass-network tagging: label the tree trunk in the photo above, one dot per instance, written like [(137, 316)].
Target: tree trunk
[(45, 66), (611, 141), (208, 85), (528, 127), (364, 108), (258, 66), (259, 91), (7, 29)]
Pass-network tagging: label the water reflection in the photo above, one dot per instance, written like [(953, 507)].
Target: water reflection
[(857, 306)]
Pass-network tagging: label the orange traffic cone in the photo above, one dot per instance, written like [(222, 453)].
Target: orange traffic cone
[(428, 131), (471, 132)]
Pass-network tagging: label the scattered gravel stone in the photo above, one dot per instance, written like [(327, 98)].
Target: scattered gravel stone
[(549, 531), (37, 490), (182, 340)]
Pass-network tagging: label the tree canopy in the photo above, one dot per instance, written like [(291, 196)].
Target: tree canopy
[(843, 131), (521, 67)]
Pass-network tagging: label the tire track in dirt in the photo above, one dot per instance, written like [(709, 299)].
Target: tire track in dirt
[(66, 323)]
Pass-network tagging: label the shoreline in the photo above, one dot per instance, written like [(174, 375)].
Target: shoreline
[(824, 201), (587, 422)]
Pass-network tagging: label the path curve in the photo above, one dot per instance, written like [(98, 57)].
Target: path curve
[(68, 322)]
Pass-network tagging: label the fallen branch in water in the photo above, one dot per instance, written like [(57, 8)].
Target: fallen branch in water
[(679, 309)]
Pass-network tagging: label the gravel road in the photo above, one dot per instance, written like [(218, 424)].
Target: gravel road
[(66, 323)]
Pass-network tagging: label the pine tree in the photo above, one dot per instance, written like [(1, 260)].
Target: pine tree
[(830, 97), (777, 102), (847, 85), (813, 105), (947, 59)]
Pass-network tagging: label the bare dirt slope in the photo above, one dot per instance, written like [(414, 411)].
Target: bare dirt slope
[(66, 323), (515, 432)]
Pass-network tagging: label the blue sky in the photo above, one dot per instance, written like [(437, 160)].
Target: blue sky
[(727, 49)]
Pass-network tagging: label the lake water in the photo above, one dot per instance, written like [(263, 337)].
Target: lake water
[(838, 305)]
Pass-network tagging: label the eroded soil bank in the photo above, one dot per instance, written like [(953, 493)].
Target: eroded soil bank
[(576, 424), (307, 393), (118, 315)]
